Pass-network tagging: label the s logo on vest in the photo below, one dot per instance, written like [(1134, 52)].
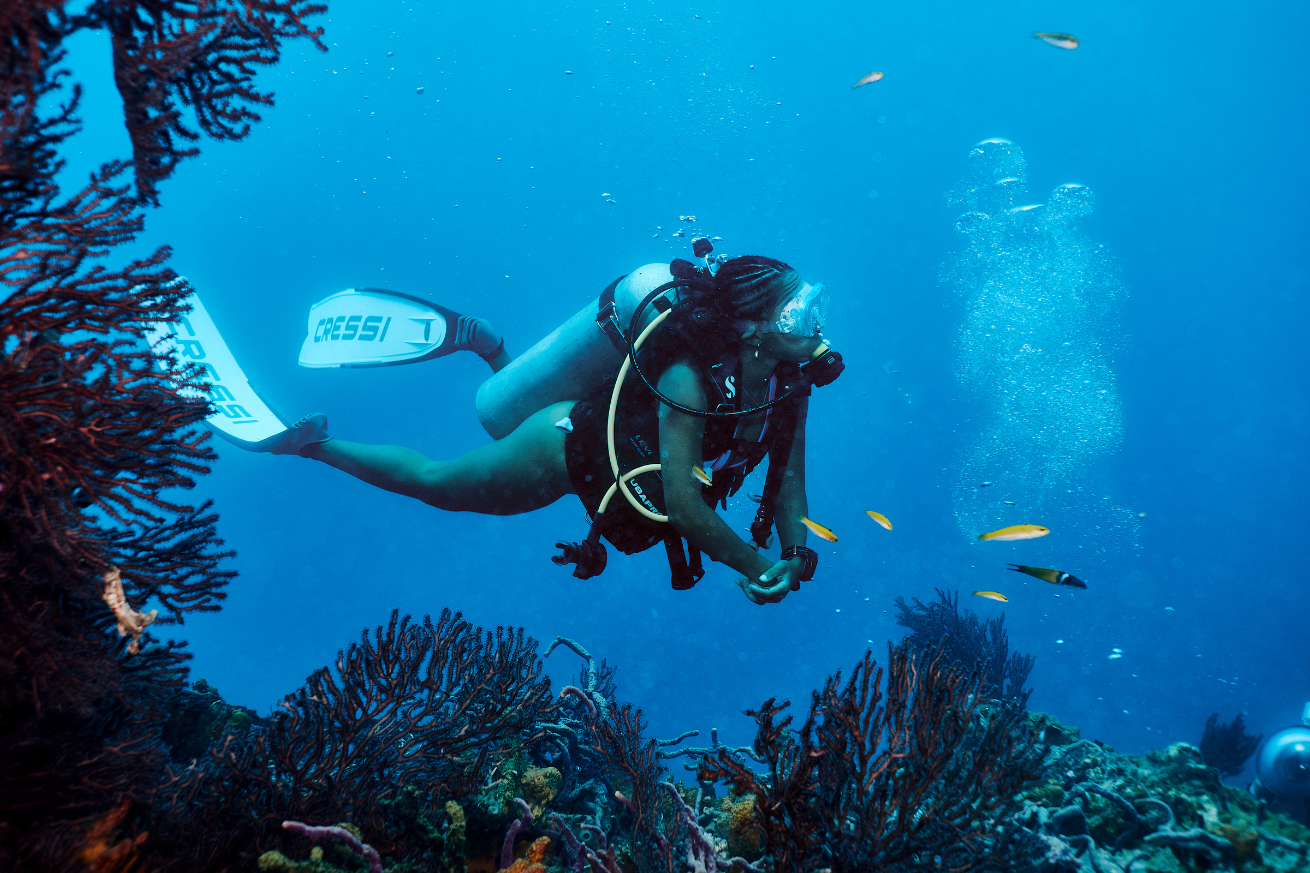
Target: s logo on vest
[(732, 389)]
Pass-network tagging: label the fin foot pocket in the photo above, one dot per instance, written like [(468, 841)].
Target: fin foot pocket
[(478, 336), (308, 431)]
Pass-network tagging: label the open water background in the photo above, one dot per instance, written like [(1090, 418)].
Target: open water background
[(1183, 297)]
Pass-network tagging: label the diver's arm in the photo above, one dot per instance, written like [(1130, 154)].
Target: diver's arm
[(791, 502), (681, 437), (788, 507)]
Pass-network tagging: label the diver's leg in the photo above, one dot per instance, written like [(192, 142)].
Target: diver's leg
[(520, 473)]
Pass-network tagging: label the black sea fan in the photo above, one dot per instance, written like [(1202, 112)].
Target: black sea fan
[(966, 639), (1225, 746)]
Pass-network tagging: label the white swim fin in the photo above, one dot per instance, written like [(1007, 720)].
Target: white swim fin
[(374, 327), (241, 416)]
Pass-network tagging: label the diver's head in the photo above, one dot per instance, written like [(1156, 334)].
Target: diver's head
[(776, 311)]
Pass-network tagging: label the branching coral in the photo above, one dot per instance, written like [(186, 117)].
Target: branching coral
[(1226, 745), (874, 780), (634, 769), (96, 440), (967, 640), (421, 709), (202, 54)]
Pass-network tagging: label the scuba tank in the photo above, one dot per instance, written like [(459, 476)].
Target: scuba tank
[(573, 360)]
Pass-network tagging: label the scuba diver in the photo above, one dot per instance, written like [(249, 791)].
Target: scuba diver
[(717, 362)]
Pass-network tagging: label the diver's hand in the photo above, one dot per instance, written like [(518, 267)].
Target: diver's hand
[(776, 583)]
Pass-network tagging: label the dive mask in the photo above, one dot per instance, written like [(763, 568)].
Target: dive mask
[(804, 314)]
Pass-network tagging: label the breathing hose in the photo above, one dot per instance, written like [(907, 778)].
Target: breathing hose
[(621, 482)]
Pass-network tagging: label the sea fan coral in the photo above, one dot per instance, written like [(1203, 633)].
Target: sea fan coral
[(967, 640), (415, 715), (96, 440), (875, 779)]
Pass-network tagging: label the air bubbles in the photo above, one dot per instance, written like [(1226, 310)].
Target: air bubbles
[(970, 222), (872, 193), (1036, 348), (1072, 200)]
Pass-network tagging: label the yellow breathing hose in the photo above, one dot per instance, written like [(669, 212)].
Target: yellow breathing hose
[(605, 501), (621, 482)]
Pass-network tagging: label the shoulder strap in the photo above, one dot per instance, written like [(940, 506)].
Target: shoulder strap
[(607, 316)]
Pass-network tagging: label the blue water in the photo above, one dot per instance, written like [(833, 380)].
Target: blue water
[(1176, 494)]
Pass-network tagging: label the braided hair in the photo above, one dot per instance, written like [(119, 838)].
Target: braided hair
[(751, 287)]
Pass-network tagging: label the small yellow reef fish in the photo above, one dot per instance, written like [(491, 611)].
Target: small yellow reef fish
[(993, 595), (1017, 532), (700, 475), (819, 530), (878, 517), (1055, 577), (1059, 40), (867, 80)]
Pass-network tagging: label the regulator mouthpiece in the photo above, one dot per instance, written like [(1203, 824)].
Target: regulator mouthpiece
[(824, 366)]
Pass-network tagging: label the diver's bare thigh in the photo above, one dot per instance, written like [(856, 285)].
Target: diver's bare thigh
[(520, 473)]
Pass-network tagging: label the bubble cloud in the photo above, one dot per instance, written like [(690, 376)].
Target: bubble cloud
[(1036, 351)]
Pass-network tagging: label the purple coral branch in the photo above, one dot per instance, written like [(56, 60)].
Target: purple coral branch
[(516, 827), (317, 832), (575, 845), (591, 694), (581, 695), (700, 848), (605, 862)]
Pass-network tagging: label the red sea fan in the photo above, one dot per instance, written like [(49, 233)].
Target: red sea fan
[(911, 774), (202, 55), (97, 442)]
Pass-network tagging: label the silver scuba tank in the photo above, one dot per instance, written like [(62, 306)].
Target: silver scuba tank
[(569, 363)]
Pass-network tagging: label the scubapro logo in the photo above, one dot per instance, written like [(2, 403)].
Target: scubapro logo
[(732, 389), (642, 496)]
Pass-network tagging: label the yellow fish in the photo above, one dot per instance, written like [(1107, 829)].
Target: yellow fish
[(993, 595), (819, 530), (1059, 40), (700, 475), (1017, 532), (878, 517), (867, 80)]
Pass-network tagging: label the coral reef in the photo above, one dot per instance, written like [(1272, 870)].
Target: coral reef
[(883, 781), (1226, 746), (416, 715), (1163, 813), (966, 640)]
